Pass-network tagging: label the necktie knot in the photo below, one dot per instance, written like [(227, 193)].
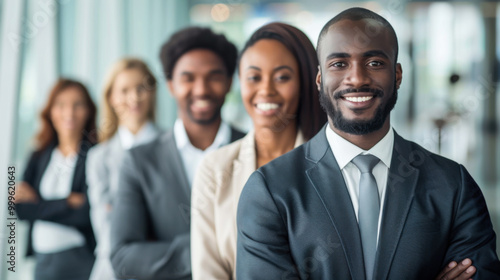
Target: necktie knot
[(365, 163)]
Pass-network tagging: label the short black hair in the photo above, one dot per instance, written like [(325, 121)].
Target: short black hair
[(356, 14), (191, 38)]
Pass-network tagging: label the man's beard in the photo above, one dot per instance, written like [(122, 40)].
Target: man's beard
[(204, 121), (207, 121), (356, 127)]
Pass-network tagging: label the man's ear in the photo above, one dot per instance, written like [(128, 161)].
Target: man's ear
[(399, 75), (318, 79)]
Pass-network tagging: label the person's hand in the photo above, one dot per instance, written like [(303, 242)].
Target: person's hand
[(25, 193), (461, 271), (76, 200)]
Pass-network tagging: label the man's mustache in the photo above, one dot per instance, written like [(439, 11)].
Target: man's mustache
[(376, 92)]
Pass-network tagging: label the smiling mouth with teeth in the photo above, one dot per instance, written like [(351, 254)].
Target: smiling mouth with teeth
[(266, 106), (201, 103), (358, 99)]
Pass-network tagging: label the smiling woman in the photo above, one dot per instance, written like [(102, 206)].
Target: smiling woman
[(70, 97), (270, 85), (129, 97), (42, 40), (277, 69), (52, 194), (128, 120)]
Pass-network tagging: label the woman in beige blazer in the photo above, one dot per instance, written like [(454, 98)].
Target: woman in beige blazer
[(277, 70)]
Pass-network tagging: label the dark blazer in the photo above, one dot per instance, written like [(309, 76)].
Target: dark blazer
[(296, 220), (57, 210), (150, 221)]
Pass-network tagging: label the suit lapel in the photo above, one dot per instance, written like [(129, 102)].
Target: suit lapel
[(236, 135), (114, 150), (114, 155), (243, 166), (398, 198), (79, 183), (329, 184), (170, 151), (42, 165)]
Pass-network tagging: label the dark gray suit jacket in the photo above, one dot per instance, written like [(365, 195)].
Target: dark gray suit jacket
[(151, 213), (296, 220)]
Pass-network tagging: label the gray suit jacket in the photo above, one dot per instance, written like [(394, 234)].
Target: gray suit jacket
[(296, 220), (150, 222)]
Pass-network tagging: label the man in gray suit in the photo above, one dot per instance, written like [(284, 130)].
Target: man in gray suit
[(358, 201), (151, 213)]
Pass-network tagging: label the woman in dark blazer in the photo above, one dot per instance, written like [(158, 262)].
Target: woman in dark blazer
[(52, 195)]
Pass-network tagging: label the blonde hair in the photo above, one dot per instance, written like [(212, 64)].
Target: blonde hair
[(109, 118)]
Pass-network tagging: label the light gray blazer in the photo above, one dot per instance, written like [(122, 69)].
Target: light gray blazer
[(103, 162), (150, 222)]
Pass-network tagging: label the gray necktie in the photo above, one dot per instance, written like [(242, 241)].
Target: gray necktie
[(369, 208)]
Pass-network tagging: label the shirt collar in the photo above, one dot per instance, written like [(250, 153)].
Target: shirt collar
[(145, 134), (59, 158), (182, 140), (344, 151)]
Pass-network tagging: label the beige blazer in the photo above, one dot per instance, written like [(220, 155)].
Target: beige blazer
[(217, 186)]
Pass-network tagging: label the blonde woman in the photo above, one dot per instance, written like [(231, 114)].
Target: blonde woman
[(127, 120)]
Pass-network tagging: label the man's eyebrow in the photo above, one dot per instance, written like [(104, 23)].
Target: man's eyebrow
[(337, 55), (375, 53), (217, 71), (212, 72)]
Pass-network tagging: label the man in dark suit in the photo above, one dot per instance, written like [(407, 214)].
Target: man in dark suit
[(151, 214), (358, 201)]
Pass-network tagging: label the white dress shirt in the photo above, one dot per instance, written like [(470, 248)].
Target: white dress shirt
[(128, 140), (49, 237), (344, 152), (192, 156)]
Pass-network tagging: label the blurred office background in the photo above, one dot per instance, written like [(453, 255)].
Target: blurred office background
[(449, 51)]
